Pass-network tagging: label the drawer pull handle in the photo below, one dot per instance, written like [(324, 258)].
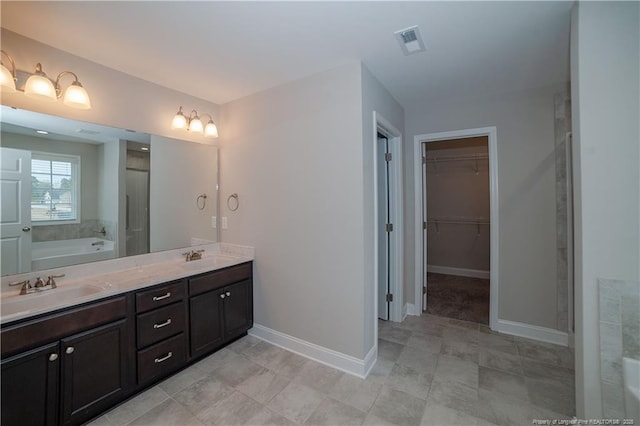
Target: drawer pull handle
[(53, 357), (164, 358), (164, 324), (156, 298), (228, 293)]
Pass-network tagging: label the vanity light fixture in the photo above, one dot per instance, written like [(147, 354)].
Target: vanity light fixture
[(39, 86), (8, 77), (194, 124)]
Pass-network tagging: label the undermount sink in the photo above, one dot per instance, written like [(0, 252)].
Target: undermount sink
[(28, 302), (209, 261)]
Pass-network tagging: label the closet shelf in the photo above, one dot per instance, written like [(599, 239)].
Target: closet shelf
[(456, 158)]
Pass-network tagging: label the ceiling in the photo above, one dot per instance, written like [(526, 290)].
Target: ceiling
[(221, 51)]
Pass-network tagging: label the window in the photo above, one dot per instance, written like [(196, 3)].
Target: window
[(55, 188)]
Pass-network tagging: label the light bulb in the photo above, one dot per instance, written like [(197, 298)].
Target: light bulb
[(210, 130), (7, 82), (40, 87), (76, 96), (179, 120), (195, 125)]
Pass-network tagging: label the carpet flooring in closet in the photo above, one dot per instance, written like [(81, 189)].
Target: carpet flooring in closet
[(462, 298)]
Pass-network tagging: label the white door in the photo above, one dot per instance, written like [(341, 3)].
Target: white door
[(15, 211), (382, 187)]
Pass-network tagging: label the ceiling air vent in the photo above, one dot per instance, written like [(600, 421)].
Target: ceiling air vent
[(410, 40)]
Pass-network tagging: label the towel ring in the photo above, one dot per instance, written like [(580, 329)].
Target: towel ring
[(204, 201), (233, 205)]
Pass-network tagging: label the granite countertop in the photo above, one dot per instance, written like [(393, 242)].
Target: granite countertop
[(99, 280)]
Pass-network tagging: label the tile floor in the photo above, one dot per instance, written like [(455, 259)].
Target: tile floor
[(430, 371)]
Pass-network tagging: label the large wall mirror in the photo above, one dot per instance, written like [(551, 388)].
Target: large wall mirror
[(74, 192)]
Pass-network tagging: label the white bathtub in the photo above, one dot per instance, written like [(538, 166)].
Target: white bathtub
[(55, 254)]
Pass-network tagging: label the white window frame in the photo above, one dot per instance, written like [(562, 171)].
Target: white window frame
[(76, 170)]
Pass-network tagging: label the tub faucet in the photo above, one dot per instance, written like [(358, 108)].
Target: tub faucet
[(98, 243), (102, 231)]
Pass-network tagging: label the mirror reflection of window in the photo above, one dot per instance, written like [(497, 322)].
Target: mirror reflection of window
[(54, 187)]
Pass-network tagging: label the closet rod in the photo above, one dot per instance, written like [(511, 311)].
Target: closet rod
[(466, 221), (460, 158)]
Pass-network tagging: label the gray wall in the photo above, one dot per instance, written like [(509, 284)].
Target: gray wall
[(526, 163), (456, 190), (605, 77), (374, 98), (294, 155)]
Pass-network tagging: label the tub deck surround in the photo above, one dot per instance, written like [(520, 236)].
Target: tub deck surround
[(58, 254), (112, 277)]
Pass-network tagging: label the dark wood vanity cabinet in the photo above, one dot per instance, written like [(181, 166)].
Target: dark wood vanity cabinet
[(68, 367), (221, 307), (161, 331), (73, 377), (30, 387)]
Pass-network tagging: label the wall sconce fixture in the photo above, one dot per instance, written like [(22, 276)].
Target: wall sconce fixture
[(194, 124), (39, 86)]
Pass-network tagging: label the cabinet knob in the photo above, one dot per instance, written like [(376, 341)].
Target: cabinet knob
[(222, 296), (70, 350), (53, 357), (228, 293)]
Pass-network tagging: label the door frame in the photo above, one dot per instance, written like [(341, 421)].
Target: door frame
[(420, 268), (394, 136)]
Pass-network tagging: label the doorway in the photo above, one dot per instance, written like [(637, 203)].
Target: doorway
[(388, 237), (456, 213), (137, 198), (472, 228)]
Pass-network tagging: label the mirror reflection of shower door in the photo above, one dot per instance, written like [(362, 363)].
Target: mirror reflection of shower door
[(137, 212)]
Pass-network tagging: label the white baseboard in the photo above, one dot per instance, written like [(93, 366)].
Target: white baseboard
[(411, 309), (532, 332), (462, 272), (347, 363)]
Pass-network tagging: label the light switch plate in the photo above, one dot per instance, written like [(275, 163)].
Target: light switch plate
[(225, 224)]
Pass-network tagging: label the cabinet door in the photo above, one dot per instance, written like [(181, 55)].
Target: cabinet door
[(93, 371), (206, 322), (30, 387), (238, 309)]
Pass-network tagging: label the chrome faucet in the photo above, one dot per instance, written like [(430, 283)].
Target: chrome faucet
[(38, 286), (102, 231), (193, 255)]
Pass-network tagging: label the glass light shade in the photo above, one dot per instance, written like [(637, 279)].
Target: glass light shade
[(179, 121), (40, 87), (7, 82), (195, 125), (76, 96), (210, 130)]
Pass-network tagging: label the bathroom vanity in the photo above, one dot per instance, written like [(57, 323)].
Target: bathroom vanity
[(69, 364)]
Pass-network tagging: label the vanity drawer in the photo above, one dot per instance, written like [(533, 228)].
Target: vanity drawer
[(161, 359), (220, 278), (48, 328), (159, 296), (160, 323)]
